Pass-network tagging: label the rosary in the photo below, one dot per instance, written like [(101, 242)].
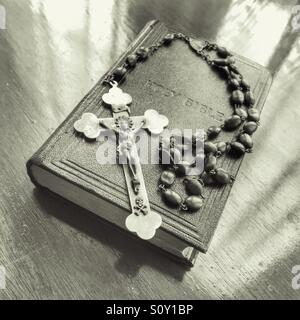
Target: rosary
[(142, 220)]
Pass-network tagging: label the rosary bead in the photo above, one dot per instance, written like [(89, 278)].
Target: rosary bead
[(193, 186), (245, 84), (210, 147), (119, 72), (210, 163), (250, 127), (220, 62), (132, 60), (221, 176), (234, 83), (249, 98), (237, 97), (167, 178), (222, 147), (237, 148), (207, 178), (142, 53), (213, 131), (222, 71), (235, 69), (171, 198), (183, 168), (168, 38), (232, 122), (234, 75), (246, 140), (253, 114), (222, 52), (241, 112), (193, 203)]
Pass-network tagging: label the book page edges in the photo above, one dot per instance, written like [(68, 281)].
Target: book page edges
[(108, 211)]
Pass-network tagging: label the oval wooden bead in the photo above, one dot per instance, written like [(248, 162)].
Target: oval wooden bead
[(221, 176), (207, 178), (249, 98), (241, 112), (234, 83), (246, 140), (221, 147), (213, 131), (253, 114), (172, 198), (232, 122), (167, 178), (132, 60), (235, 69), (237, 148), (220, 62), (193, 203), (237, 97), (222, 71), (119, 72), (210, 147), (222, 52), (210, 163), (250, 127), (193, 186), (234, 75), (245, 84), (183, 168)]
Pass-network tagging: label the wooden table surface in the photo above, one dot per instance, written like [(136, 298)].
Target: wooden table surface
[(51, 53)]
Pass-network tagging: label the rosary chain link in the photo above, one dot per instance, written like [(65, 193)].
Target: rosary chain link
[(155, 47), (203, 54), (182, 36)]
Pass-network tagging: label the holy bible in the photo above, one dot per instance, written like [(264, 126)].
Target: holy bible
[(178, 84)]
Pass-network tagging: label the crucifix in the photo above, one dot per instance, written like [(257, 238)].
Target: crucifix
[(142, 220)]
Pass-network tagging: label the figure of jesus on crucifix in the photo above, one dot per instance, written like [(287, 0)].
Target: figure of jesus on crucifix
[(126, 134)]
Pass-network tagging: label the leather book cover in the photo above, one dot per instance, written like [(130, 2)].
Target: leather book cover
[(177, 83)]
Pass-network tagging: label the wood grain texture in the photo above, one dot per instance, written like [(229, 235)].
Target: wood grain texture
[(52, 53)]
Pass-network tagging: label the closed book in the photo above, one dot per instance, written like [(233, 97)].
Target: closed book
[(176, 82)]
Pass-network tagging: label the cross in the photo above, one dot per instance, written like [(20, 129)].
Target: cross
[(142, 220)]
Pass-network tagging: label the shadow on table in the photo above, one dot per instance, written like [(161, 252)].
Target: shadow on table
[(134, 253)]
